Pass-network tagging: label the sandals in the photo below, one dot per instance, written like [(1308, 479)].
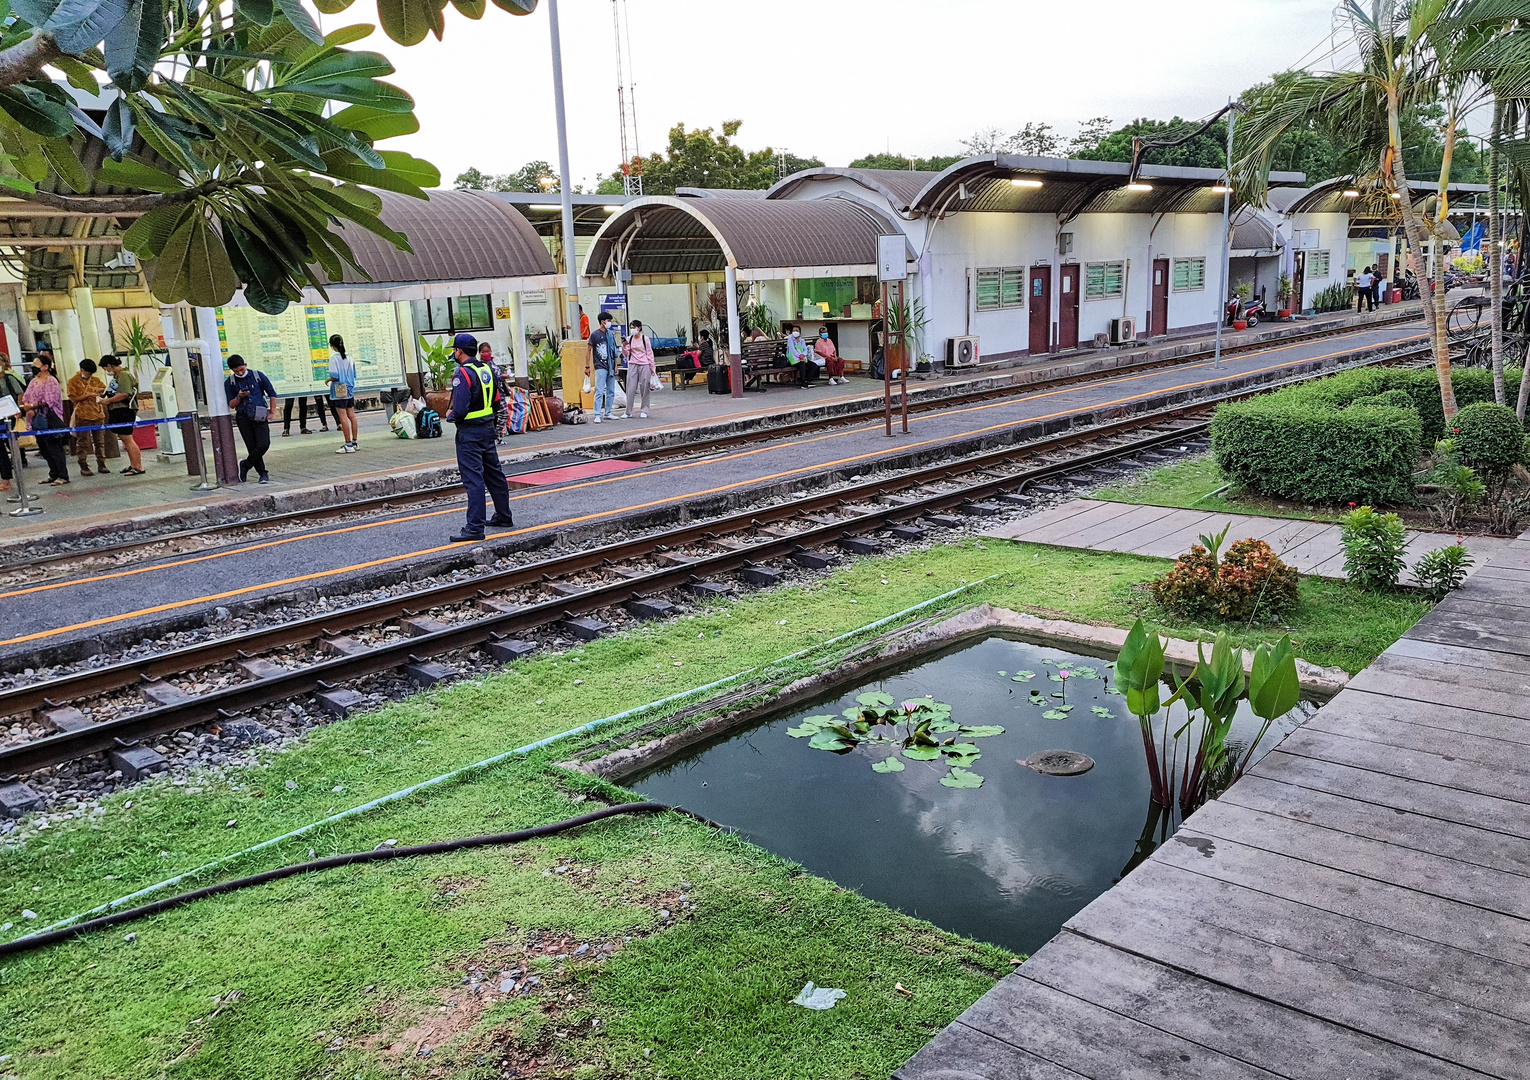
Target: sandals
[(130, 471)]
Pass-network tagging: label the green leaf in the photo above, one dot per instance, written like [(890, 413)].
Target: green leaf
[(77, 73), (877, 700), (62, 159), (16, 183), (117, 129), (982, 731), (1023, 676), (961, 778), (408, 21), (130, 173), (375, 124), (1100, 710), (887, 765), (921, 753), (828, 739), (404, 174), (259, 12), (1086, 672), (959, 749), (301, 21), (942, 727), (332, 7), (194, 266), (473, 9), (133, 45), (807, 729), (1273, 685), (516, 7), (1054, 714), (36, 111)]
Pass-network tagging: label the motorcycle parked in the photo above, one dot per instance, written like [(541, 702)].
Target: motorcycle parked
[(1244, 310)]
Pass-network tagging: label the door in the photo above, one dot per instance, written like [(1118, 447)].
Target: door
[(1159, 325), (1298, 272), (1040, 290), (1067, 300)]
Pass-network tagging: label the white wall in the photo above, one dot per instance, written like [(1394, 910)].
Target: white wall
[(1333, 237), (661, 308)]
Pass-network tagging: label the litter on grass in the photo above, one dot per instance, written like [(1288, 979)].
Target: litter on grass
[(821, 998)]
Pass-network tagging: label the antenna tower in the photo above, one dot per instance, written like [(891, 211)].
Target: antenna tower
[(626, 103)]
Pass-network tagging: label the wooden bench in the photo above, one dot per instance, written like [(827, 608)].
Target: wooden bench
[(759, 362)]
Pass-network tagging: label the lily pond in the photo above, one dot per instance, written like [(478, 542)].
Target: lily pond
[(913, 790)]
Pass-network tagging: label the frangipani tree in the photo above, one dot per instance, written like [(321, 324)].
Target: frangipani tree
[(218, 117)]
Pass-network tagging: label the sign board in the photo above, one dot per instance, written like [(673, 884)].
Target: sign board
[(892, 258), (8, 407), (293, 348), (501, 313), (1307, 238)]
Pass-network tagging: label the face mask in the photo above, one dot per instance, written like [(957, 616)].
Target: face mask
[(824, 335)]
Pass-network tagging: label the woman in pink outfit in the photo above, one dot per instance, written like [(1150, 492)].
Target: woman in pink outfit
[(641, 368)]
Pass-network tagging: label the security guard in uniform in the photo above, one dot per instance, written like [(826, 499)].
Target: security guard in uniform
[(474, 397)]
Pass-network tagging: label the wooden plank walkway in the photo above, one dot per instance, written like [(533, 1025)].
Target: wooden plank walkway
[(1357, 907), (1312, 547)]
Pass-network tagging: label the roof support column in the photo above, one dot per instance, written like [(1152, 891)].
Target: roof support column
[(518, 361), (735, 334), (85, 311)]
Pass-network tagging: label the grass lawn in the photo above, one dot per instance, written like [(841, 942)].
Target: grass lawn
[(355, 972), (1189, 484)]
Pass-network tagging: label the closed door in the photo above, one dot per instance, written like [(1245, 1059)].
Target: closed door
[(1160, 323), (1040, 298), (1298, 275), (1067, 306)]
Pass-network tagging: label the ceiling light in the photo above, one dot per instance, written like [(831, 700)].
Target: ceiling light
[(1024, 182), (1220, 189), (554, 207), (612, 209), (1139, 187), (1350, 193)]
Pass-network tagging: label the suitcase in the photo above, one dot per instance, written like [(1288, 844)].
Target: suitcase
[(717, 379)]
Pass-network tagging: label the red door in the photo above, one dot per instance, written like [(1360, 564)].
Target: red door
[(1067, 300), (1039, 288), (1160, 325)]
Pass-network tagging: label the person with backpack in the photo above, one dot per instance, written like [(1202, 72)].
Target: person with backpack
[(601, 367), (641, 369), (474, 399), (251, 397), (342, 393)]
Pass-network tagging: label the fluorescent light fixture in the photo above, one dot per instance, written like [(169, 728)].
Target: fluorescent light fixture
[(1020, 181), (612, 209), (1139, 187), (1350, 193), (546, 206), (1220, 189)]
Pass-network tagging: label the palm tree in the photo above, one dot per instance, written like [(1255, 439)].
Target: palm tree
[(1398, 67)]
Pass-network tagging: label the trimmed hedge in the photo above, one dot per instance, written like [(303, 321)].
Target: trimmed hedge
[(1489, 438), (1398, 399), (1318, 442)]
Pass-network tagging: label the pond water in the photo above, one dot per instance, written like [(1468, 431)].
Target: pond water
[(1007, 862)]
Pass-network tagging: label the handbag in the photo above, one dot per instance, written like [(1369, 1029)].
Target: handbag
[(44, 419)]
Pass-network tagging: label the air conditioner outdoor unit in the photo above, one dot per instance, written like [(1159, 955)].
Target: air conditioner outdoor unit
[(961, 351), (1123, 331)]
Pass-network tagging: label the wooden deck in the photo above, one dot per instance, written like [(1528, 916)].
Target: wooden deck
[(1311, 547), (1357, 907)]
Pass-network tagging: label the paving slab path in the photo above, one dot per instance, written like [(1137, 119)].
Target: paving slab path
[(1356, 907)]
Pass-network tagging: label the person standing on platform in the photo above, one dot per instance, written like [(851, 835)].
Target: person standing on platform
[(43, 403), (342, 393), (251, 398), (302, 404), (12, 387), (641, 369), (122, 410), (832, 361), (472, 410), (600, 365), (85, 390), (1363, 294)]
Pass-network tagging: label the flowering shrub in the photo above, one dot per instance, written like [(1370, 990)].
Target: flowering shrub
[(1249, 582)]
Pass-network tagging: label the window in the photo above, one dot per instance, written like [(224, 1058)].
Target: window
[(457, 313), (1189, 274), (1103, 280), (1317, 264), (1000, 287)]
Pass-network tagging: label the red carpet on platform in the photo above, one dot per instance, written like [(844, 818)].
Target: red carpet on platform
[(582, 471)]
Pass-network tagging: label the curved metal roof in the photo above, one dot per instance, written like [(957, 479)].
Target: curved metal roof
[(1373, 205), (662, 234), (899, 187)]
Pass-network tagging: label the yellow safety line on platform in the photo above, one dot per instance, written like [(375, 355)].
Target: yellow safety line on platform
[(174, 605)]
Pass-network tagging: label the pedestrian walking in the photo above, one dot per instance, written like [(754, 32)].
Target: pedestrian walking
[(600, 366), (1363, 295), (319, 407), (472, 410), (122, 410), (43, 402), (342, 393), (85, 390), (641, 369), (251, 397), (832, 361)]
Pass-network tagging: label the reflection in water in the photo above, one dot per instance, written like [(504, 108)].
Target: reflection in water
[(1008, 862)]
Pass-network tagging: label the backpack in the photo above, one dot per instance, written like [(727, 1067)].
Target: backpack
[(876, 369), (428, 424)]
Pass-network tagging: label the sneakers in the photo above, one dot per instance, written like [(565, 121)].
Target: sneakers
[(288, 434), (265, 478), (596, 420), (348, 448), (502, 521), (85, 470), (642, 416), (466, 538), (244, 472)]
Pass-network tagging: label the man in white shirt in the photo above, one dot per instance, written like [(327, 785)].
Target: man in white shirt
[(1363, 295)]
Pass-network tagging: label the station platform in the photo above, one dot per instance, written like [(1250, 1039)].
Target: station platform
[(306, 471)]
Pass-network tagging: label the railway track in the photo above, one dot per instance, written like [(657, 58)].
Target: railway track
[(635, 573), (33, 568)]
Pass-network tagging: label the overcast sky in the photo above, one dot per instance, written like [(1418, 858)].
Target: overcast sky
[(833, 79)]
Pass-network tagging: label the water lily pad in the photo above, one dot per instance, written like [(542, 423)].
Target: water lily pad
[(1050, 714), (1055, 678), (887, 765), (1037, 700), (1023, 676), (941, 727), (1100, 710), (1002, 674), (1086, 672), (965, 761), (959, 749), (922, 753), (806, 731), (961, 778), (982, 731), (829, 739), (879, 700)]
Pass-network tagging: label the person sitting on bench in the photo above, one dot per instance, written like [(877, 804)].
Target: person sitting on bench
[(800, 357)]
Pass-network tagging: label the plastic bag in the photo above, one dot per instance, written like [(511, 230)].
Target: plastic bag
[(621, 398), (654, 382), (589, 387), (820, 998), (403, 425)]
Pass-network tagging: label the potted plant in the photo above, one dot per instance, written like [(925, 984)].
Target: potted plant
[(1243, 291), (543, 372), (1283, 295), (439, 365)]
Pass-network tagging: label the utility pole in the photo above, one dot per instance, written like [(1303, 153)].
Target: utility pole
[(1232, 118), (564, 176)]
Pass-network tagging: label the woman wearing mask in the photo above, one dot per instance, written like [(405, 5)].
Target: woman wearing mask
[(43, 403), (641, 369), (833, 362), (800, 357), (342, 393)]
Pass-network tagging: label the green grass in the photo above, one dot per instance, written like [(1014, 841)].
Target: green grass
[(369, 951), (1189, 484)]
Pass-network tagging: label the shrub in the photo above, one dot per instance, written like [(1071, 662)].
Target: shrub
[(1373, 548), (1249, 582), (1442, 570), (1489, 438), (1396, 399)]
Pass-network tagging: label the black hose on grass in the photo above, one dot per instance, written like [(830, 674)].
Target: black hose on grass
[(37, 941)]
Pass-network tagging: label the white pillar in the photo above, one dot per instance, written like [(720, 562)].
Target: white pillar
[(85, 312), (735, 335), (519, 361)]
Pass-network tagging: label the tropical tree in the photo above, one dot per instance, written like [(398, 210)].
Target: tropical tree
[(214, 117), (702, 158)]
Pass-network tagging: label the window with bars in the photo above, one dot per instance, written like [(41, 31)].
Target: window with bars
[(454, 314), (1000, 287), (1317, 264), (1189, 274), (1103, 280)]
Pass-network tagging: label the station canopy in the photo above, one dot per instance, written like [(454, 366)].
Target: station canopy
[(1368, 204), (663, 239)]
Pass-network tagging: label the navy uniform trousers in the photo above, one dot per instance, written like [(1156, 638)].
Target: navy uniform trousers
[(478, 462)]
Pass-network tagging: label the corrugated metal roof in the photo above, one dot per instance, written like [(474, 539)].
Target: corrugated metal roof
[(720, 193), (692, 235), (1372, 205), (1252, 231), (898, 186), (456, 236)]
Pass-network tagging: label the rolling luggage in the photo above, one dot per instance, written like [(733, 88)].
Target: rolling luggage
[(717, 379)]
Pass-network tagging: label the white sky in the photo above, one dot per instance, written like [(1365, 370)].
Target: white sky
[(834, 79)]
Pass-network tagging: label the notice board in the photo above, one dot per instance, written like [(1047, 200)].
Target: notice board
[(293, 348)]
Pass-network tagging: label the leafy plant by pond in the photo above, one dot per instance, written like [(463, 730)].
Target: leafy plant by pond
[(1249, 581), (918, 730)]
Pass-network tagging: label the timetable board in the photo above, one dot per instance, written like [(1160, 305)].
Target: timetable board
[(293, 348)]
